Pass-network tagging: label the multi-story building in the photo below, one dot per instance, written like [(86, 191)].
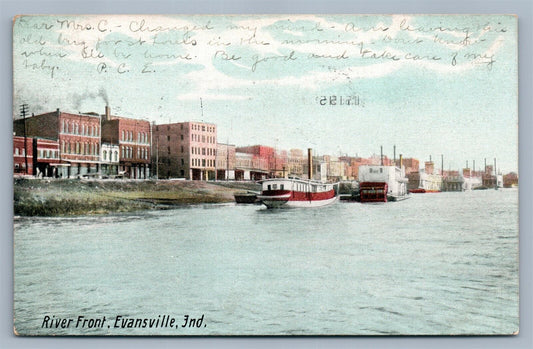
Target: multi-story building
[(78, 136), (185, 150), (109, 159), (225, 161), (22, 155), (295, 162), (244, 166), (133, 137), (263, 161), (41, 156), (46, 157)]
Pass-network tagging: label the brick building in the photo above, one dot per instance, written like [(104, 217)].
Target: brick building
[(22, 155), (185, 150), (78, 136), (263, 161), (46, 160), (41, 155), (133, 137)]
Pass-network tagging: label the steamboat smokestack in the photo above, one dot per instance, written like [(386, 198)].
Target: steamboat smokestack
[(401, 161), (310, 163), (381, 155)]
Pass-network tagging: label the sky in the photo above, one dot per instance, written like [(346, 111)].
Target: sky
[(429, 85)]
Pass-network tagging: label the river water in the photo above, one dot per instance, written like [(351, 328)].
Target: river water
[(442, 263)]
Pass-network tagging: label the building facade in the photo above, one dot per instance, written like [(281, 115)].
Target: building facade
[(185, 150), (22, 155), (225, 161), (109, 158), (78, 136), (133, 138)]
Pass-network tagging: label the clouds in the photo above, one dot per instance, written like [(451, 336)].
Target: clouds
[(273, 67)]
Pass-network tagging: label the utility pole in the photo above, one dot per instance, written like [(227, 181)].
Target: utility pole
[(157, 157), (23, 110)]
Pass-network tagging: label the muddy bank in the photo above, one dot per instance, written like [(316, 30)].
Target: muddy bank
[(34, 197)]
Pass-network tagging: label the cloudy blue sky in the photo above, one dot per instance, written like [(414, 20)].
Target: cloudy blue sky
[(430, 85)]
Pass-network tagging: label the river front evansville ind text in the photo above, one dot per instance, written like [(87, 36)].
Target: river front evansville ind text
[(120, 321)]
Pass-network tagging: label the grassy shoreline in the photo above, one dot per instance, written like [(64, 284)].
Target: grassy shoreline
[(68, 197)]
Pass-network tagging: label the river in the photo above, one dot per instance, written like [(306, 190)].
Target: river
[(443, 263)]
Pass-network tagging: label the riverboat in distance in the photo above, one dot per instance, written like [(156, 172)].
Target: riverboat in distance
[(379, 183), (294, 192)]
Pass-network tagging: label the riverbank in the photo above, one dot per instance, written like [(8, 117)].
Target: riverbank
[(37, 197)]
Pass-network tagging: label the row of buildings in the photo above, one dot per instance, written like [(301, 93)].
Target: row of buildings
[(69, 145)]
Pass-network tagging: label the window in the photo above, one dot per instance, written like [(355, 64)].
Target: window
[(182, 148), (181, 136), (182, 162), (123, 137), (282, 187), (203, 162), (105, 155), (16, 151)]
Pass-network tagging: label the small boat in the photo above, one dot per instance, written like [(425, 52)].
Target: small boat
[(245, 198), (282, 192)]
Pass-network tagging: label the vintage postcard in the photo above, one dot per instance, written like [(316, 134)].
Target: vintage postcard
[(265, 175)]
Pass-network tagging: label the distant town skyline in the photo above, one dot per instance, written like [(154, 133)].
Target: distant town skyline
[(279, 81)]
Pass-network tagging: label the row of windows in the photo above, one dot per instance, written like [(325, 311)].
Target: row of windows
[(127, 136), (113, 155), (203, 162), (19, 151), (202, 151), (80, 148), (83, 130), (47, 154), (202, 138), (203, 128), (127, 152)]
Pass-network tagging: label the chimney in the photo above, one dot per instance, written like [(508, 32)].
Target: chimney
[(401, 161), (107, 113), (310, 163)]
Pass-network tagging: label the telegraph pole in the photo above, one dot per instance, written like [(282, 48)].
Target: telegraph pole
[(23, 110)]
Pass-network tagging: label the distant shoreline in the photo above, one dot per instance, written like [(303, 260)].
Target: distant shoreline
[(70, 197)]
